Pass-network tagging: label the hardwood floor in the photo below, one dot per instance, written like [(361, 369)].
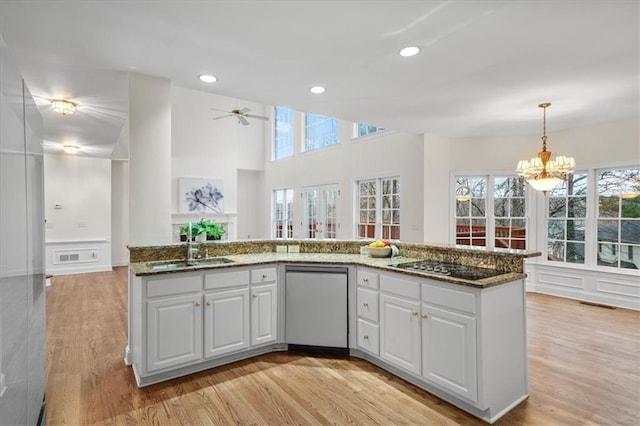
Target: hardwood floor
[(584, 369)]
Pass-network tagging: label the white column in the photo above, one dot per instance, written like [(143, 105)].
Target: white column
[(149, 160), (437, 187)]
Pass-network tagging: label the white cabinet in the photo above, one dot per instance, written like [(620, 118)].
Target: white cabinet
[(264, 314), (174, 331), (400, 332), (368, 331), (449, 350), (264, 306), (226, 322)]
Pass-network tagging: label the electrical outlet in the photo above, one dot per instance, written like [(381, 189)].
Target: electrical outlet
[(281, 249), (293, 249)]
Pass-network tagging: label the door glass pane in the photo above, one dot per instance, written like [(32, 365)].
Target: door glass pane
[(630, 231), (556, 230), (555, 251), (608, 230), (630, 256)]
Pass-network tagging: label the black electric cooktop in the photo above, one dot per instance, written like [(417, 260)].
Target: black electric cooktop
[(434, 268)]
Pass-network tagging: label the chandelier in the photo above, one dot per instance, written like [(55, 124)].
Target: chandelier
[(541, 172)]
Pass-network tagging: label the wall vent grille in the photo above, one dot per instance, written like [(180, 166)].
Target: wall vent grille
[(75, 256)]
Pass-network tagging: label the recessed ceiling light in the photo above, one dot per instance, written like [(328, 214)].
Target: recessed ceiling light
[(63, 106), (71, 149), (409, 51), (317, 89), (207, 78)]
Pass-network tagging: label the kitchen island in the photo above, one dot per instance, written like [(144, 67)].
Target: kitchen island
[(462, 340)]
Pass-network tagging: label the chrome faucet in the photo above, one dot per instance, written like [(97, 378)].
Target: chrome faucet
[(190, 248)]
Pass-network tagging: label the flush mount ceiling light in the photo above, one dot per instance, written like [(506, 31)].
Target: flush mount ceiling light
[(409, 51), (71, 149), (207, 78), (317, 90), (63, 107), (541, 172)]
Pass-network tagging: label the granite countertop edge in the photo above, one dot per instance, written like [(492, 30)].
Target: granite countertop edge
[(385, 264)]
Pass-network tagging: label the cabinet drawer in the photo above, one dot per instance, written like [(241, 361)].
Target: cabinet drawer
[(449, 297), (406, 288), (265, 275), (172, 284), (226, 279), (368, 337), (367, 279), (368, 304)]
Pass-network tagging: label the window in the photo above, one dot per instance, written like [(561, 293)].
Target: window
[(491, 209), (471, 210), (319, 131), (362, 129), (282, 133), (283, 213), (566, 220), (321, 207), (379, 208), (509, 212), (618, 219)]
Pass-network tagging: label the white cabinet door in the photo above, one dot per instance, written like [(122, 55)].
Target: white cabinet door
[(400, 332), (449, 351), (174, 331), (226, 322), (264, 314)]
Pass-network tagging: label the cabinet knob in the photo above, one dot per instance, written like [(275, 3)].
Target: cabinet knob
[(254, 295), (209, 303), (264, 276), (365, 280), (197, 303), (365, 304), (414, 313), (365, 337), (423, 316)]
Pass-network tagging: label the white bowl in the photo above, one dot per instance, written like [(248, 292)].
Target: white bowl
[(379, 251)]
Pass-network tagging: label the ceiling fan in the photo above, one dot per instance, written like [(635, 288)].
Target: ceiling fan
[(241, 114)]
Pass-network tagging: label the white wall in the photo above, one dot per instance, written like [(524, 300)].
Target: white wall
[(119, 212), (250, 194), (437, 191), (82, 187), (203, 147), (149, 160), (386, 154)]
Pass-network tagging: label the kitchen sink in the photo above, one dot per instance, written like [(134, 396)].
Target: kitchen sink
[(196, 262)]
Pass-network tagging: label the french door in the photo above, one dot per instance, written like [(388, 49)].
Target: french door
[(320, 219)]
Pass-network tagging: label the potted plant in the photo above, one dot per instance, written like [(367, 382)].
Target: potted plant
[(197, 231), (214, 231)]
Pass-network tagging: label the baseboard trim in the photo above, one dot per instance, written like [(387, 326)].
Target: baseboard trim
[(79, 270)]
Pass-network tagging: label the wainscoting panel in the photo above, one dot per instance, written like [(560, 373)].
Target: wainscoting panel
[(620, 289), (564, 280)]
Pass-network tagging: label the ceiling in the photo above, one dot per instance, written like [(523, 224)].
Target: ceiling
[(483, 68)]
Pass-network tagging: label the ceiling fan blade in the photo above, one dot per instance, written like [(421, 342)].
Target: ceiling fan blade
[(259, 117), (243, 120), (218, 109), (222, 116), (244, 110)]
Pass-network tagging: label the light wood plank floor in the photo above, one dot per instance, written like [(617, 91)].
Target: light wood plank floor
[(584, 369)]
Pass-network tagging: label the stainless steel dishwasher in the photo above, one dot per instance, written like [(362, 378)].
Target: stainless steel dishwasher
[(316, 313)]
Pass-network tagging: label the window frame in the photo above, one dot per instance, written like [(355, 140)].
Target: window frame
[(305, 129), (286, 212), (356, 130), (274, 135), (379, 225)]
